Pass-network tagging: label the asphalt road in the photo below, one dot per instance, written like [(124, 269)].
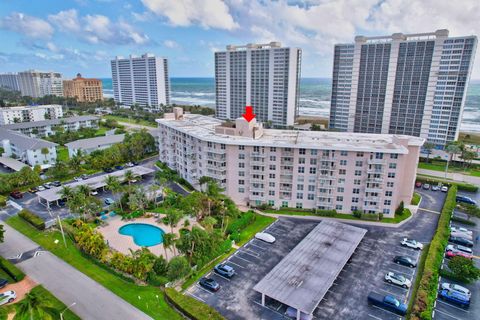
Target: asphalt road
[(93, 301)]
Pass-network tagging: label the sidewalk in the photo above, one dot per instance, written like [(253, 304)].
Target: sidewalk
[(451, 176)]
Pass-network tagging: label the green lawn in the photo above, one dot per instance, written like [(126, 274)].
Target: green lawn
[(436, 165), (416, 199), (261, 222), (101, 131), (62, 153), (149, 299), (132, 121), (57, 304)]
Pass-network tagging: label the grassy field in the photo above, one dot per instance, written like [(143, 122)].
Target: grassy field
[(436, 165), (62, 153), (57, 304), (416, 199), (261, 222), (132, 121), (469, 138), (149, 299)]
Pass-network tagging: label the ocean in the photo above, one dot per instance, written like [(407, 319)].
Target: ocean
[(314, 97)]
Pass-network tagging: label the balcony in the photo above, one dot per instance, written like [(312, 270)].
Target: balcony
[(373, 189), (217, 151), (257, 198), (257, 163), (286, 154), (376, 161), (286, 189), (373, 170), (371, 207), (378, 180), (372, 199), (327, 158), (257, 154)]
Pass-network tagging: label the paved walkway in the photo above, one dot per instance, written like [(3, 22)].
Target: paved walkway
[(451, 176), (93, 301), (21, 288)]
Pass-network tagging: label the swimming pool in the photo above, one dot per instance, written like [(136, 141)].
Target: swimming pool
[(144, 235)]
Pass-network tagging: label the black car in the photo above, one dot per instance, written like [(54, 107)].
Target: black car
[(56, 183), (209, 284), (108, 170), (461, 241), (119, 167), (3, 283), (405, 261), (135, 163)]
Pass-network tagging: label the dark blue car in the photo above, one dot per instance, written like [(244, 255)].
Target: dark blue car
[(209, 284), (454, 297), (466, 200)]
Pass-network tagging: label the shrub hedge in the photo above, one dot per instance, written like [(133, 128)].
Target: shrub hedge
[(464, 221), (427, 291), (190, 307), (32, 218), (3, 201), (10, 269)]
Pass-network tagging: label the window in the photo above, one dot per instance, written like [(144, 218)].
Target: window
[(387, 202), (391, 174), (390, 184), (338, 207), (378, 155), (358, 172), (241, 165), (241, 190), (313, 170), (357, 182), (241, 156), (358, 163), (271, 184), (341, 181), (300, 187), (273, 167), (359, 154), (394, 156), (241, 147), (386, 211), (344, 153), (241, 173), (299, 195), (340, 189), (271, 203), (339, 198), (301, 160), (313, 162), (256, 149), (311, 188), (313, 152), (343, 162), (355, 200), (284, 204), (353, 208), (301, 169), (342, 172), (271, 192), (388, 193), (273, 149), (301, 151), (299, 205), (271, 175), (392, 165), (311, 196), (356, 191), (273, 158), (241, 182)]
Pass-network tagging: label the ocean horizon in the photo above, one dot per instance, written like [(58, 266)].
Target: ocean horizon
[(314, 97)]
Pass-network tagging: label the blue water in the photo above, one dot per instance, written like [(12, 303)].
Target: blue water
[(314, 97), (144, 235)]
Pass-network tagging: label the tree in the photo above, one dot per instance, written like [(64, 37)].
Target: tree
[(209, 222), (168, 242), (35, 306), (428, 147), (129, 176), (2, 233), (178, 267), (468, 156), (400, 209), (137, 200), (173, 217), (471, 210), (67, 193), (114, 185), (203, 181), (160, 266), (463, 269)]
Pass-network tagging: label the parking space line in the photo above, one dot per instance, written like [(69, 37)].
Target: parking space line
[(203, 289), (452, 306), (251, 244), (403, 272), (237, 256), (245, 252), (258, 244), (230, 261), (371, 315), (447, 314), (256, 254), (396, 315), (219, 275), (408, 268), (267, 307), (194, 296), (394, 286), (389, 292)]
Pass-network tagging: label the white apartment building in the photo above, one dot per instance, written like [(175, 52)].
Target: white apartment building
[(87, 146), (286, 168), (141, 80), (36, 84), (19, 114), (31, 151), (9, 81), (47, 128), (264, 76), (412, 84)]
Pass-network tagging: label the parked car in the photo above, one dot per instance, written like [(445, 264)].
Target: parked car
[(33, 190), (452, 254), (435, 188), (224, 270), (77, 179), (7, 297), (397, 279), (129, 164), (444, 189), (108, 170), (461, 235), (267, 237), (119, 167), (426, 186), (62, 202), (387, 302), (3, 283), (461, 229), (465, 199), (291, 313), (16, 194), (405, 261), (109, 201), (418, 184), (41, 188), (94, 192), (454, 297), (135, 163), (456, 288), (56, 183), (461, 241), (410, 243), (84, 176), (456, 247), (209, 284), (47, 186)]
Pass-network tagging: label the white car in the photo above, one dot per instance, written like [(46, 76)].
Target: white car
[(398, 279), (129, 164), (267, 237), (411, 244), (94, 192), (7, 297), (435, 188), (78, 179), (456, 288), (444, 189), (458, 248), (41, 188), (460, 229), (461, 235)]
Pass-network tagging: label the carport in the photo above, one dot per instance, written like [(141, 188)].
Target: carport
[(12, 163), (54, 194), (304, 276)]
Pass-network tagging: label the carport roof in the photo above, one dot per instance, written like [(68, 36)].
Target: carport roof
[(53, 194), (12, 163), (304, 276)]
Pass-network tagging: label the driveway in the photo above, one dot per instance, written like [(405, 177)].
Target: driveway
[(93, 301)]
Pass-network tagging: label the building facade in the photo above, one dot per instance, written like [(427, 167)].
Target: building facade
[(36, 84), (19, 114), (87, 146), (264, 76), (413, 84), (141, 80), (83, 89), (47, 128), (285, 168), (9, 81)]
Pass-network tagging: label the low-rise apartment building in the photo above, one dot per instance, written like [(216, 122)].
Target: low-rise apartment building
[(87, 146), (19, 114), (26, 149), (50, 127), (285, 168)]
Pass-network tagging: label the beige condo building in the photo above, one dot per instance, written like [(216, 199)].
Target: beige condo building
[(84, 89)]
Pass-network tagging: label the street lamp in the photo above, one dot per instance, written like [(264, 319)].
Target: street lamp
[(61, 313)]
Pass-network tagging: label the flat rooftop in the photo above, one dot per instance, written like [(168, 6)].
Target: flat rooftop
[(43, 123), (95, 142), (304, 276), (203, 127), (12, 163), (53, 194)]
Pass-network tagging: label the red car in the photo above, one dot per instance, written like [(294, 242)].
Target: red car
[(418, 184), (16, 194), (451, 254)]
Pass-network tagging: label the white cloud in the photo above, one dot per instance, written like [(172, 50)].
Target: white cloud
[(29, 26), (66, 21), (170, 44), (206, 13)]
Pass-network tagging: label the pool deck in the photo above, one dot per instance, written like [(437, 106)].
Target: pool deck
[(123, 243)]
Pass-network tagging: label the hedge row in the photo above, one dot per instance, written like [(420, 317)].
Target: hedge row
[(3, 201), (464, 221), (460, 185), (10, 269), (32, 218), (427, 292), (190, 307)]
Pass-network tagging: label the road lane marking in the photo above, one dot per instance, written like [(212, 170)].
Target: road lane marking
[(230, 261), (447, 314)]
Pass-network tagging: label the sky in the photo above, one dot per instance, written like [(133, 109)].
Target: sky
[(72, 36)]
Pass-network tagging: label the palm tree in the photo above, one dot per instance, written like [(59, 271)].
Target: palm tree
[(35, 306), (114, 185), (209, 222), (428, 147), (67, 193), (128, 176), (204, 180), (168, 242), (85, 189), (173, 216)]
